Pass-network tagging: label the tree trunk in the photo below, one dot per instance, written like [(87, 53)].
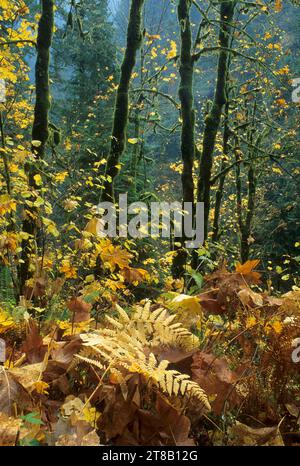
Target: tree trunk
[(212, 121), (246, 232), (245, 224), (39, 132), (219, 193), (188, 120), (118, 138)]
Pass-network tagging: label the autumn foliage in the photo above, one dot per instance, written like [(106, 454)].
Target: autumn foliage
[(140, 377), (101, 342)]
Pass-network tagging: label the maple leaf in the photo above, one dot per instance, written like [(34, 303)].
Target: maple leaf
[(80, 308), (69, 270), (114, 256), (7, 204), (247, 271), (187, 308), (33, 346), (132, 275)]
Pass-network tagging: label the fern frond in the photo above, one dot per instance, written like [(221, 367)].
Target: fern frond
[(92, 362), (123, 347), (157, 327)]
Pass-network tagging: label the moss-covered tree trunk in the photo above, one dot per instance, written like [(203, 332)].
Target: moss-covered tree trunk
[(245, 221), (186, 97), (118, 138), (224, 164), (247, 226), (40, 133), (212, 120), (238, 186)]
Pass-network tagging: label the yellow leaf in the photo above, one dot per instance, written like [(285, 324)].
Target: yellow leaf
[(133, 140), (278, 6), (277, 326), (6, 322), (173, 50), (246, 269), (277, 170), (36, 143), (93, 226), (60, 176), (187, 303), (250, 322), (91, 415), (38, 180), (40, 387)]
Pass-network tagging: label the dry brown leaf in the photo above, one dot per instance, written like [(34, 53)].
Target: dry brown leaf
[(132, 275), (28, 374), (291, 302), (294, 411), (12, 393), (34, 347), (217, 380), (241, 434), (250, 298), (90, 440), (80, 309), (72, 440), (9, 428), (67, 440)]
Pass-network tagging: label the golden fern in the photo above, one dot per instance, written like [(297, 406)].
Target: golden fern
[(171, 382), (156, 328), (125, 347)]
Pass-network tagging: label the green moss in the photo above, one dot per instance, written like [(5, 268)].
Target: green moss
[(213, 119), (40, 129), (118, 139), (186, 97)]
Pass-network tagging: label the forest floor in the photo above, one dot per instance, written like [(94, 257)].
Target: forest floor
[(216, 368)]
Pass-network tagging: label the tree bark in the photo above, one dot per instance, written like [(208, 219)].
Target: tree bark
[(40, 132), (212, 121), (245, 221), (186, 97), (246, 230), (219, 193), (118, 138)]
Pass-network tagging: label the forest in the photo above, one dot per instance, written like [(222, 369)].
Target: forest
[(149, 223)]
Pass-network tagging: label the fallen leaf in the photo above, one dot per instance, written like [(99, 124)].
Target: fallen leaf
[(34, 347), (81, 309), (242, 434), (9, 428), (247, 270)]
